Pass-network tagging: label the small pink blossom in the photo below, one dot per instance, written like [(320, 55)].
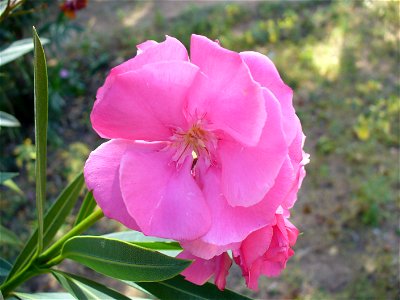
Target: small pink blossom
[(266, 251)]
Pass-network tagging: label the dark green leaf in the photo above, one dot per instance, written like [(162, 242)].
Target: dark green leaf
[(17, 49), (41, 116), (178, 288), (122, 260), (7, 120), (87, 207), (44, 296), (5, 268), (83, 288), (6, 176), (159, 245), (8, 237), (53, 220)]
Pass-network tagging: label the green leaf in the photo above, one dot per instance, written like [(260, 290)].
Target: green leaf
[(3, 7), (87, 207), (8, 237), (41, 116), (122, 260), (5, 268), (7, 120), (13, 186), (44, 296), (6, 176), (167, 246), (17, 49), (83, 288), (53, 220), (134, 236), (149, 242), (179, 288)]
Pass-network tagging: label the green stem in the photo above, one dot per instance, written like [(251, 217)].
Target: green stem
[(17, 280), (41, 264), (55, 261), (81, 227)]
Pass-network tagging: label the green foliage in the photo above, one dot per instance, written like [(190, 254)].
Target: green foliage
[(17, 49), (25, 158), (122, 260), (87, 207), (43, 296), (53, 219), (83, 288), (7, 120), (41, 115), (179, 288), (4, 176), (8, 237), (5, 268)]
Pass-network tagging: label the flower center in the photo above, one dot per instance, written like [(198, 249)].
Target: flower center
[(196, 142)]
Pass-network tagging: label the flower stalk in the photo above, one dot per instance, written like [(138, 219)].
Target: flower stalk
[(49, 258)]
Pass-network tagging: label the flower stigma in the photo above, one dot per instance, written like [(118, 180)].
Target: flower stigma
[(196, 142)]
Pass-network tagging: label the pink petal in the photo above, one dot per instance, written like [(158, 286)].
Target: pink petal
[(148, 52), (102, 177), (206, 250), (292, 232), (224, 93), (298, 159), (223, 264), (255, 245), (254, 274), (151, 52), (147, 45), (264, 71), (248, 173), (200, 271), (165, 201), (145, 104), (241, 221)]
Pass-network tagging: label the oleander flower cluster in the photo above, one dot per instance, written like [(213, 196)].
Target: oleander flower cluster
[(205, 150)]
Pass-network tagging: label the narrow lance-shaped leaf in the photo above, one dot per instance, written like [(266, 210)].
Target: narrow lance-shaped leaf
[(41, 115), (7, 175), (134, 236), (85, 289), (179, 288), (43, 296), (7, 120), (53, 220), (5, 268), (149, 242), (122, 260), (87, 207), (8, 237), (17, 49)]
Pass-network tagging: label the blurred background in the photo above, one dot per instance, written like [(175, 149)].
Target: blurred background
[(340, 57)]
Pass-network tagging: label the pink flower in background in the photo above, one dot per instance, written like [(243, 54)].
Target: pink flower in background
[(202, 150), (70, 7), (266, 251)]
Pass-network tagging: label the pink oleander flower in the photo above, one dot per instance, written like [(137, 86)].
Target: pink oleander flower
[(202, 150), (266, 251), (201, 270)]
